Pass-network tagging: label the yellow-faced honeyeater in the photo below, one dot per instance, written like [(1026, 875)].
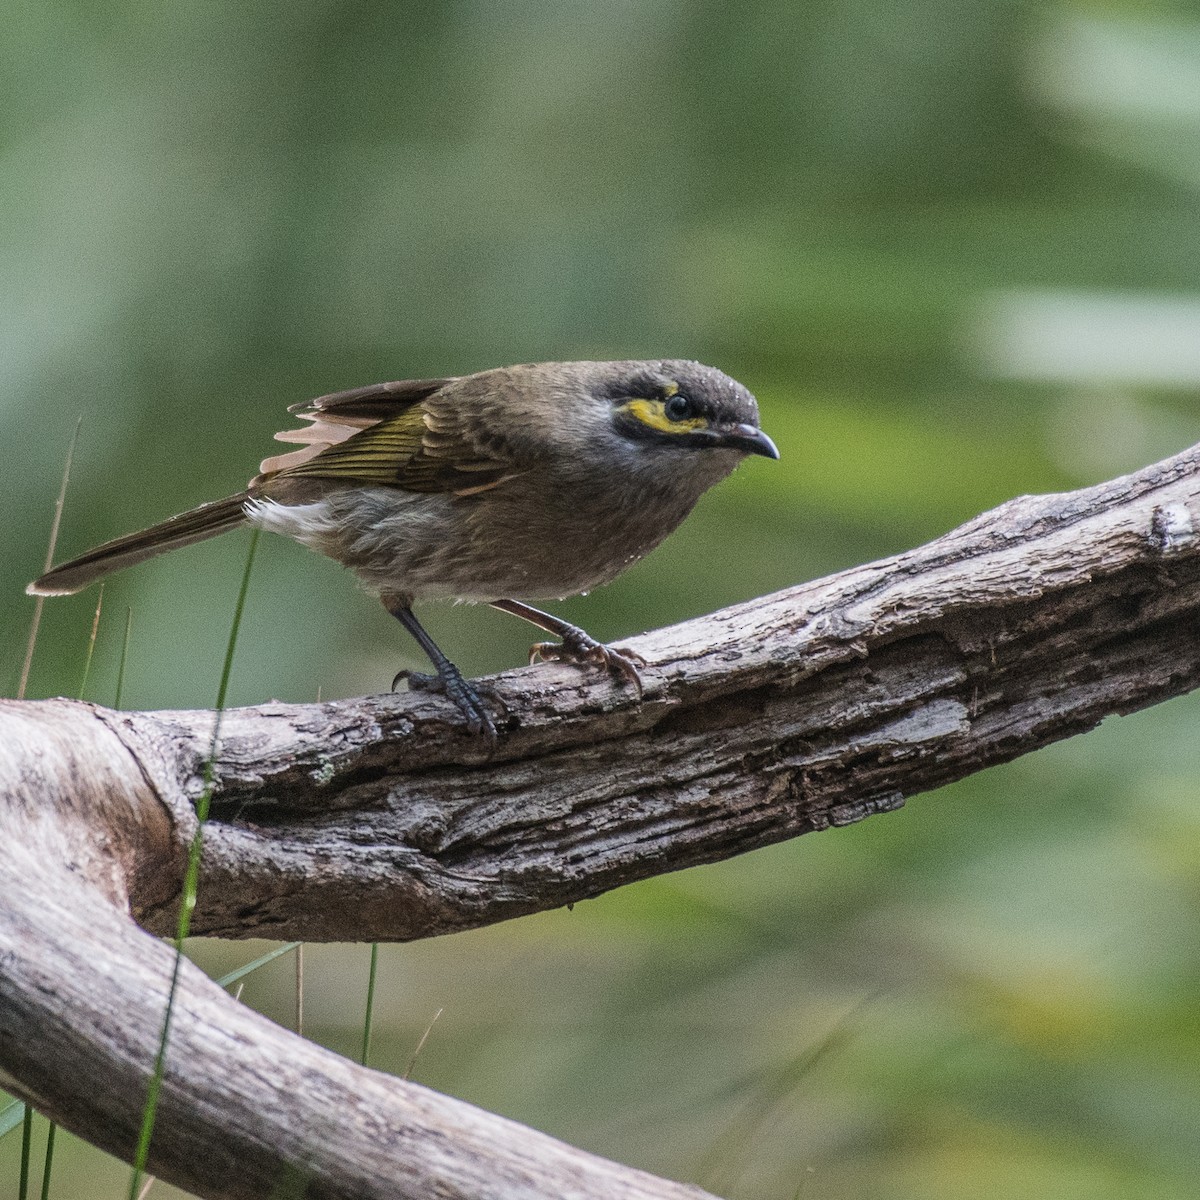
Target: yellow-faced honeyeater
[(541, 480)]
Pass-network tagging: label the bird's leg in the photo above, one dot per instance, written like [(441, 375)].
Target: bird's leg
[(577, 645), (449, 679)]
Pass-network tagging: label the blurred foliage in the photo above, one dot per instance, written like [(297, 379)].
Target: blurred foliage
[(952, 247)]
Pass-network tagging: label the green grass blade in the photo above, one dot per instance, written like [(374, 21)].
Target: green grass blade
[(231, 646), (26, 1145), (49, 1161), (261, 961), (366, 1045), (190, 879)]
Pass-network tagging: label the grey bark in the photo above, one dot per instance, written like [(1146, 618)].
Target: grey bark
[(378, 819)]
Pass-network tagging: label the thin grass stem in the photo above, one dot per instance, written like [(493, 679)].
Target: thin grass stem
[(124, 657), (26, 1147), (190, 880), (300, 990), (412, 1062), (49, 1163), (41, 600), (261, 961), (91, 646), (366, 1045)]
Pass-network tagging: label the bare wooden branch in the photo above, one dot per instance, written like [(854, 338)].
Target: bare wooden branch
[(813, 707), (378, 818), (248, 1109)]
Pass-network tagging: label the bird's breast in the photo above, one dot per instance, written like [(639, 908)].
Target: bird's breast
[(532, 537)]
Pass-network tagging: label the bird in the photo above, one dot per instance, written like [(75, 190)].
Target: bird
[(503, 486)]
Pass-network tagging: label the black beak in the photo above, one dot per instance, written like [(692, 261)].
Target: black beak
[(749, 439)]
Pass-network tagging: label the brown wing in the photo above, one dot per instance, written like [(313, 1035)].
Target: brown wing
[(418, 435), (338, 416), (375, 402)]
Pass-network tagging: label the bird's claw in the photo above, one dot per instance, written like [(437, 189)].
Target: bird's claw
[(579, 647), (466, 697)]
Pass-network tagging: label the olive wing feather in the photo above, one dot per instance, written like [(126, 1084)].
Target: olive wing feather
[(411, 435)]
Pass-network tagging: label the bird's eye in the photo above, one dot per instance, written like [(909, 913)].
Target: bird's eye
[(678, 408)]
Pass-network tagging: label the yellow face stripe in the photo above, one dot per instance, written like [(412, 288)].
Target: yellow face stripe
[(653, 413)]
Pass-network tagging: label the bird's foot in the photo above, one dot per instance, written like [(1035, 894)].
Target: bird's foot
[(580, 647), (466, 697)]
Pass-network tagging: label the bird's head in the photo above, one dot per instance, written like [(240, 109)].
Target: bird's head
[(684, 406), (641, 418)]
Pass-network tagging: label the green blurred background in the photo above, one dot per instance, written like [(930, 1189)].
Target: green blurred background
[(952, 246)]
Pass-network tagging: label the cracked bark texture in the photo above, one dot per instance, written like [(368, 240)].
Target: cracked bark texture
[(378, 818)]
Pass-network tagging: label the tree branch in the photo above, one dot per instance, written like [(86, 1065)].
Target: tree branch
[(816, 706), (379, 819)]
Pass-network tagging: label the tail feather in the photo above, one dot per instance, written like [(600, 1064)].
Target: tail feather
[(196, 525)]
